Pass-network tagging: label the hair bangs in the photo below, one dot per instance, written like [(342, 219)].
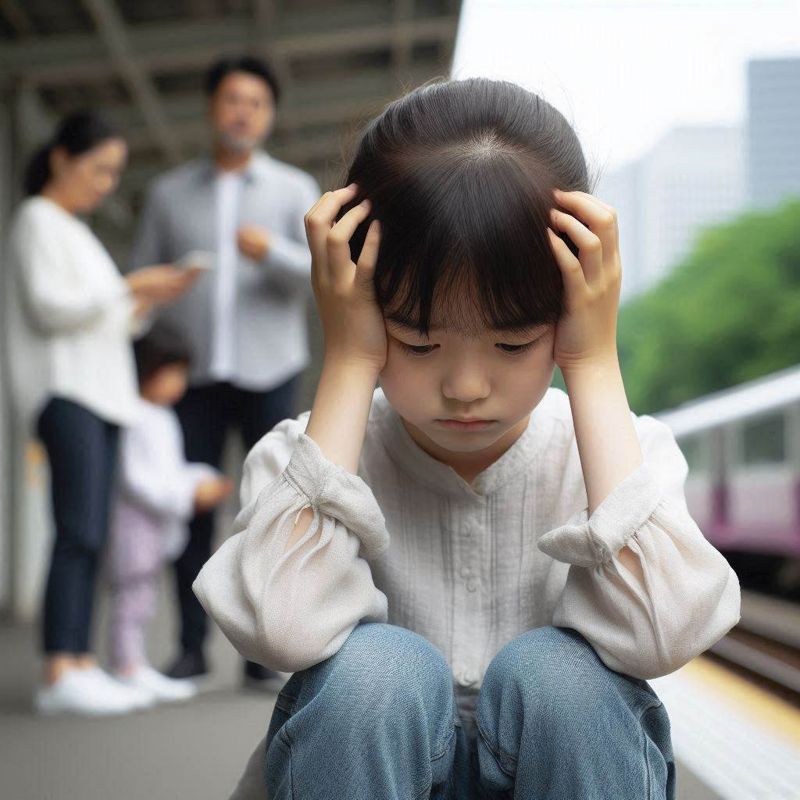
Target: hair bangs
[(475, 253)]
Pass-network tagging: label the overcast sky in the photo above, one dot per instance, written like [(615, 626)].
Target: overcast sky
[(626, 71)]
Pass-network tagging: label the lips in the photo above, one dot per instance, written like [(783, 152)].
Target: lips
[(465, 424)]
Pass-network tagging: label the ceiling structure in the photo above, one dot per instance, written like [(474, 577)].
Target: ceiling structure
[(142, 63)]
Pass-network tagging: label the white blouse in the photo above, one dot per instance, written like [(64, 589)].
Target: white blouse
[(467, 566), (72, 319)]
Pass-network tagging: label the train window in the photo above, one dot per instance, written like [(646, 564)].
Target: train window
[(764, 440), (695, 451)]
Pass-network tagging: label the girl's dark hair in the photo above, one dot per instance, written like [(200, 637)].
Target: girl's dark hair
[(460, 175), (220, 70), (78, 133), (161, 346)]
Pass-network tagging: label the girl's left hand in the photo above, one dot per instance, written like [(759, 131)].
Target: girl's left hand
[(587, 331)]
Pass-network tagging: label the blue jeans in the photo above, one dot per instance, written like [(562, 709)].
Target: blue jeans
[(82, 451), (378, 721)]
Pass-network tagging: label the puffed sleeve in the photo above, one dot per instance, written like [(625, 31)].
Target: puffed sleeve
[(689, 597), (289, 607)]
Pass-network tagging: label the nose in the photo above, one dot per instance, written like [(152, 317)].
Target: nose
[(466, 382)]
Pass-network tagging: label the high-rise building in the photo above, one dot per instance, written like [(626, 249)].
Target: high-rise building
[(773, 130), (691, 179)]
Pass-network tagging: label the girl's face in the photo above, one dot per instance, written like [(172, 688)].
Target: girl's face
[(462, 395)]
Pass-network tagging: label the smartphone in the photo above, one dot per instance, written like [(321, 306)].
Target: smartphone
[(196, 259)]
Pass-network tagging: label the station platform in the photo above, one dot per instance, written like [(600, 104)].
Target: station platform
[(732, 741)]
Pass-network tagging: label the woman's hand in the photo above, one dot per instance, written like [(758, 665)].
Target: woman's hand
[(587, 332), (161, 284), (353, 325)]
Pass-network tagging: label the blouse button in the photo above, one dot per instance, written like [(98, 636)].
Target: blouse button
[(466, 678), (472, 585)]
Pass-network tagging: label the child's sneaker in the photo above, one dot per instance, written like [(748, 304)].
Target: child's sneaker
[(78, 692), (166, 690)]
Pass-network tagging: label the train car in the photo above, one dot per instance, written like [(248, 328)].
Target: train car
[(743, 449)]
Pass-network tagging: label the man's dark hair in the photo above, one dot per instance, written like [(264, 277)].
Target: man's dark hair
[(163, 345), (223, 67), (460, 175)]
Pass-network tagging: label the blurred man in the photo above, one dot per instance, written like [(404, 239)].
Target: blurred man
[(245, 318)]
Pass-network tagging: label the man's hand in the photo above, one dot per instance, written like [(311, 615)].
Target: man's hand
[(253, 242)]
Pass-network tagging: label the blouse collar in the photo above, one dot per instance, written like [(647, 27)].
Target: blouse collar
[(425, 469)]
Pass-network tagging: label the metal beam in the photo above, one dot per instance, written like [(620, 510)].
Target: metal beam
[(17, 17), (403, 11), (111, 27), (265, 28), (60, 60), (316, 102)]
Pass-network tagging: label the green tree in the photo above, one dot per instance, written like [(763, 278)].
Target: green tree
[(728, 313)]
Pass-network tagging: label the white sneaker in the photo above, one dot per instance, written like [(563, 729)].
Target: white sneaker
[(139, 697), (77, 692), (164, 689)]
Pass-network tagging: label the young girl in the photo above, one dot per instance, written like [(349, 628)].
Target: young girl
[(157, 493), (466, 525)]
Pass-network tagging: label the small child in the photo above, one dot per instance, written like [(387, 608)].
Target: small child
[(158, 491)]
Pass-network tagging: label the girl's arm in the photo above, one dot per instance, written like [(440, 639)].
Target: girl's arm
[(289, 601), (645, 587), (293, 582), (355, 335), (681, 598)]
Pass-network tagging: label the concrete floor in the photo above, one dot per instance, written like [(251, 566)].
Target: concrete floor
[(192, 751)]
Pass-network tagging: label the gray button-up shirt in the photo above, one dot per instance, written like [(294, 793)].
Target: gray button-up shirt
[(268, 319)]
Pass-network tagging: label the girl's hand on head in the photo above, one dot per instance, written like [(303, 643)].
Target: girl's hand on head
[(353, 325), (587, 332)]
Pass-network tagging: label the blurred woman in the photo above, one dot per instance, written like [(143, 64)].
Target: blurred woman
[(74, 381)]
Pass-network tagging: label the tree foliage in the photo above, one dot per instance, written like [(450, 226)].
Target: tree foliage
[(728, 313)]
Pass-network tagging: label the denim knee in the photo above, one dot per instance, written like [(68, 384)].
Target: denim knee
[(383, 673), (552, 679), (554, 667), (386, 694)]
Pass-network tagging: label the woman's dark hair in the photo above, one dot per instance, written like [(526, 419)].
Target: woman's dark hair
[(460, 175), (220, 70), (78, 133), (161, 346)]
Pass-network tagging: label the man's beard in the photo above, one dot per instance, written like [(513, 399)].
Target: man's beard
[(239, 144)]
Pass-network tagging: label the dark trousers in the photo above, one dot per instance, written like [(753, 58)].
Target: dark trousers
[(82, 451), (206, 414)]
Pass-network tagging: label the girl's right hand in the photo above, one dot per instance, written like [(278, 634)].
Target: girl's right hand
[(352, 322)]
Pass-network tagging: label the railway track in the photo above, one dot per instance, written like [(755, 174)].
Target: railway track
[(765, 644)]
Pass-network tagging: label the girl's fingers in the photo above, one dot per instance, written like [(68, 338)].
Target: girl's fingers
[(590, 247), (321, 215), (571, 270), (338, 238), (598, 216)]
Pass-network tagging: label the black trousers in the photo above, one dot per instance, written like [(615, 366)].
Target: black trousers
[(207, 413), (82, 451)]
